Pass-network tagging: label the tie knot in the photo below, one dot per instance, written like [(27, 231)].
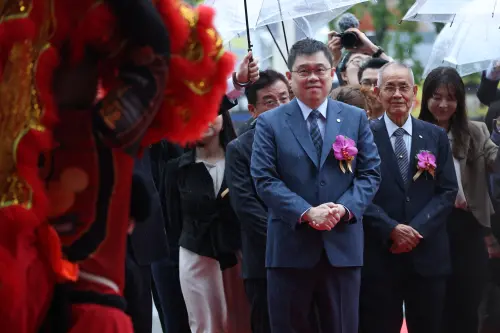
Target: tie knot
[(399, 132), (314, 115)]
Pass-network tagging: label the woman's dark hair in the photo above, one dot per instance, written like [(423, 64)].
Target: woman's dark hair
[(459, 125), (351, 95), (227, 133)]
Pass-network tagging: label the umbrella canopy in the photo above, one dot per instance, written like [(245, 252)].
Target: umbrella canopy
[(467, 45), (230, 14), (445, 10)]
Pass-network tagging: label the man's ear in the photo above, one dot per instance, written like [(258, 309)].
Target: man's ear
[(343, 75), (376, 91), (415, 90), (289, 76), (332, 72), (252, 110)]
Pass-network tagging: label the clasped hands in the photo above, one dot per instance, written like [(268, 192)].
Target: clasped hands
[(404, 238), (325, 216)]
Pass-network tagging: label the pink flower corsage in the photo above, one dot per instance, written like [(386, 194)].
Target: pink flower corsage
[(426, 162), (344, 150)]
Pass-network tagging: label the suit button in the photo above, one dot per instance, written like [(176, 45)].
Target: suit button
[(407, 199), (322, 183)]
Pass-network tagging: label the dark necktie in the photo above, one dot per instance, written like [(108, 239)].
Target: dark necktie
[(314, 131), (401, 153)]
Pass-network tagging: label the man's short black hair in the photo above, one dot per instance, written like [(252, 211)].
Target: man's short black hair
[(308, 46), (266, 78), (373, 63)]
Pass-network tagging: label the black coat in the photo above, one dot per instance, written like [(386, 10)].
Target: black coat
[(203, 222)]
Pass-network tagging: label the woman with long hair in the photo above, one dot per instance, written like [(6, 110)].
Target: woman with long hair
[(443, 103), (198, 208)]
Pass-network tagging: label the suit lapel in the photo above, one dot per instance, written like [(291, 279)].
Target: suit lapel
[(333, 122), (298, 126), (386, 151), (417, 144)]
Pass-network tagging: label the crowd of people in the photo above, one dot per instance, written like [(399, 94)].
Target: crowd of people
[(334, 210)]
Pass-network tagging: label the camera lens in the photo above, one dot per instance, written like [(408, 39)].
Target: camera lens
[(349, 39)]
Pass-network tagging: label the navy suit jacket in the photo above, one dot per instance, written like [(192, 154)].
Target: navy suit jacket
[(290, 180), (251, 211), (424, 204)]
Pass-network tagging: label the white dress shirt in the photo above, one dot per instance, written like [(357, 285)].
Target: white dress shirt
[(460, 201), (216, 171), (306, 111), (391, 128), (232, 92)]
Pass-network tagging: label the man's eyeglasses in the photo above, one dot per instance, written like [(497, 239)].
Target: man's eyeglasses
[(369, 83), (272, 103), (319, 72), (391, 90)]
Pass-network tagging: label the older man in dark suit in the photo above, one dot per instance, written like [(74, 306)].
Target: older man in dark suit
[(406, 243)]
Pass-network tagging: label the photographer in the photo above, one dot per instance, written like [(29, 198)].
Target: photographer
[(357, 45)]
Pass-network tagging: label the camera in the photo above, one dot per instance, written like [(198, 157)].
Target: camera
[(349, 40)]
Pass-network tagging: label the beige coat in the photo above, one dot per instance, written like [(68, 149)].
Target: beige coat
[(474, 168)]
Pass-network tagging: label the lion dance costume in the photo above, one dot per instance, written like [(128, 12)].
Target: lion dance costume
[(66, 163)]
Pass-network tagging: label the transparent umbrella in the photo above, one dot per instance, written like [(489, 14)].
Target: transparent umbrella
[(230, 14), (445, 10), (264, 37), (467, 45)]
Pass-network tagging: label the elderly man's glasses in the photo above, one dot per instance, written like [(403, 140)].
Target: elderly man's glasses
[(391, 90), (319, 72)]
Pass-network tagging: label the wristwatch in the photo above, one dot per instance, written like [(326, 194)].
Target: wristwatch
[(378, 53), (240, 84)]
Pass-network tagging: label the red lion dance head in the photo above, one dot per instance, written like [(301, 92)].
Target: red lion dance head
[(34, 37)]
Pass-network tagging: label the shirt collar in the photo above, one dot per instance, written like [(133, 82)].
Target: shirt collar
[(307, 110), (391, 127)]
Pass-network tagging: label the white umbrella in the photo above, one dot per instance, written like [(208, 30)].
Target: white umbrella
[(466, 45), (230, 14), (445, 10)]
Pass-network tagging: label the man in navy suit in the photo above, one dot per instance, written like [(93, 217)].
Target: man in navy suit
[(406, 243), (315, 235)]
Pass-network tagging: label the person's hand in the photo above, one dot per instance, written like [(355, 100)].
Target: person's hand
[(460, 203), (493, 71), (366, 47), (404, 238), (248, 71), (131, 226), (323, 217), (335, 47)]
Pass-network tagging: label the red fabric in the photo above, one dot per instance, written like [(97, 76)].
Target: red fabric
[(189, 106), (88, 318), (75, 184), (24, 311)]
